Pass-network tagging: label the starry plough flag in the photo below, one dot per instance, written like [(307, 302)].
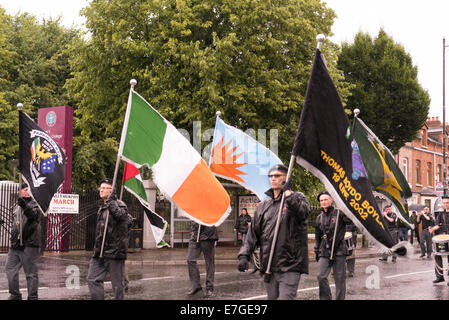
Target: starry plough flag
[(41, 161)]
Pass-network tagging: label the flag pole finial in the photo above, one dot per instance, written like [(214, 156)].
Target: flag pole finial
[(356, 112), (218, 113), (19, 106), (320, 40), (133, 82)]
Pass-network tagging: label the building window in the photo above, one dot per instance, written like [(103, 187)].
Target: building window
[(439, 177), (418, 171), (405, 167), (429, 173)]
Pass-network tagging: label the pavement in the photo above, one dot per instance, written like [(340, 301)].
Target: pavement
[(225, 254)]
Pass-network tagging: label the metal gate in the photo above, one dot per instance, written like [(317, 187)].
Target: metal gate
[(64, 232)]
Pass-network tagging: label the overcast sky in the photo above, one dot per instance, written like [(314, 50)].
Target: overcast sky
[(418, 25)]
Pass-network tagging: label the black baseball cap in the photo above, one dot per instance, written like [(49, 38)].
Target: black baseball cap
[(23, 186), (321, 193), (107, 181)]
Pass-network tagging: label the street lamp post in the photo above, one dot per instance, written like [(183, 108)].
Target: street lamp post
[(444, 118)]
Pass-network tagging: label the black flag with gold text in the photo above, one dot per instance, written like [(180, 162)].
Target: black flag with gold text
[(325, 147)]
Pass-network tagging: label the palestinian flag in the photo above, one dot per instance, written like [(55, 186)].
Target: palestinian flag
[(132, 181), (178, 169)]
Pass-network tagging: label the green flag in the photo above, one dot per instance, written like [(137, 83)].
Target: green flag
[(382, 170)]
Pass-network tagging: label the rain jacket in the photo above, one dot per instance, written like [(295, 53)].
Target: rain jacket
[(291, 251), (206, 233), (242, 223), (116, 242), (324, 233), (31, 226)]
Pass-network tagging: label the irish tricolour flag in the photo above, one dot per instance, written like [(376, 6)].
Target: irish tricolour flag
[(179, 171)]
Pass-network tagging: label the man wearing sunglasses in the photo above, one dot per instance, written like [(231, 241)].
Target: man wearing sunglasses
[(290, 258)]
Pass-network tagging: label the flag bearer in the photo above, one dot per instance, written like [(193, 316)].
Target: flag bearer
[(330, 248), (290, 257), (115, 244), (25, 244)]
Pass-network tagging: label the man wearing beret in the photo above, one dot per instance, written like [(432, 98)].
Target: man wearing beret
[(290, 258), (115, 244), (330, 248), (25, 244)]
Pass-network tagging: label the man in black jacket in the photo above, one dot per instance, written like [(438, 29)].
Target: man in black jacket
[(330, 248), (290, 258), (427, 221), (25, 243), (115, 244), (202, 239), (242, 224), (391, 223)]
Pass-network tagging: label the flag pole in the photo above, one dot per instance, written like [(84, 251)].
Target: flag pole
[(133, 82), (278, 221), (19, 108), (320, 40)]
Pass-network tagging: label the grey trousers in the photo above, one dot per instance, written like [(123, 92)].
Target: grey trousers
[(324, 269), (26, 258), (283, 285), (426, 243), (350, 264), (207, 247), (96, 275)]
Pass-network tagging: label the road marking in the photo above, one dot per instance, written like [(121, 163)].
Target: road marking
[(25, 289), (300, 290), (156, 278), (407, 274)]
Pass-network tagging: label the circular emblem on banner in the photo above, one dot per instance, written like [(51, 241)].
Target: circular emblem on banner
[(51, 118)]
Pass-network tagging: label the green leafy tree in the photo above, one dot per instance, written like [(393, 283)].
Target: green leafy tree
[(387, 92), (33, 70), (249, 59)]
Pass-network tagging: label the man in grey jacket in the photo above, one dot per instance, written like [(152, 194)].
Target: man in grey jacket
[(25, 243), (290, 258)]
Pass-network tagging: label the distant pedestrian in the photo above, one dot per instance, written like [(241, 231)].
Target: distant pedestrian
[(25, 243), (425, 219), (391, 224), (415, 231), (115, 244), (242, 224), (202, 239)]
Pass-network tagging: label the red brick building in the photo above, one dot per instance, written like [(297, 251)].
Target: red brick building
[(421, 161)]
